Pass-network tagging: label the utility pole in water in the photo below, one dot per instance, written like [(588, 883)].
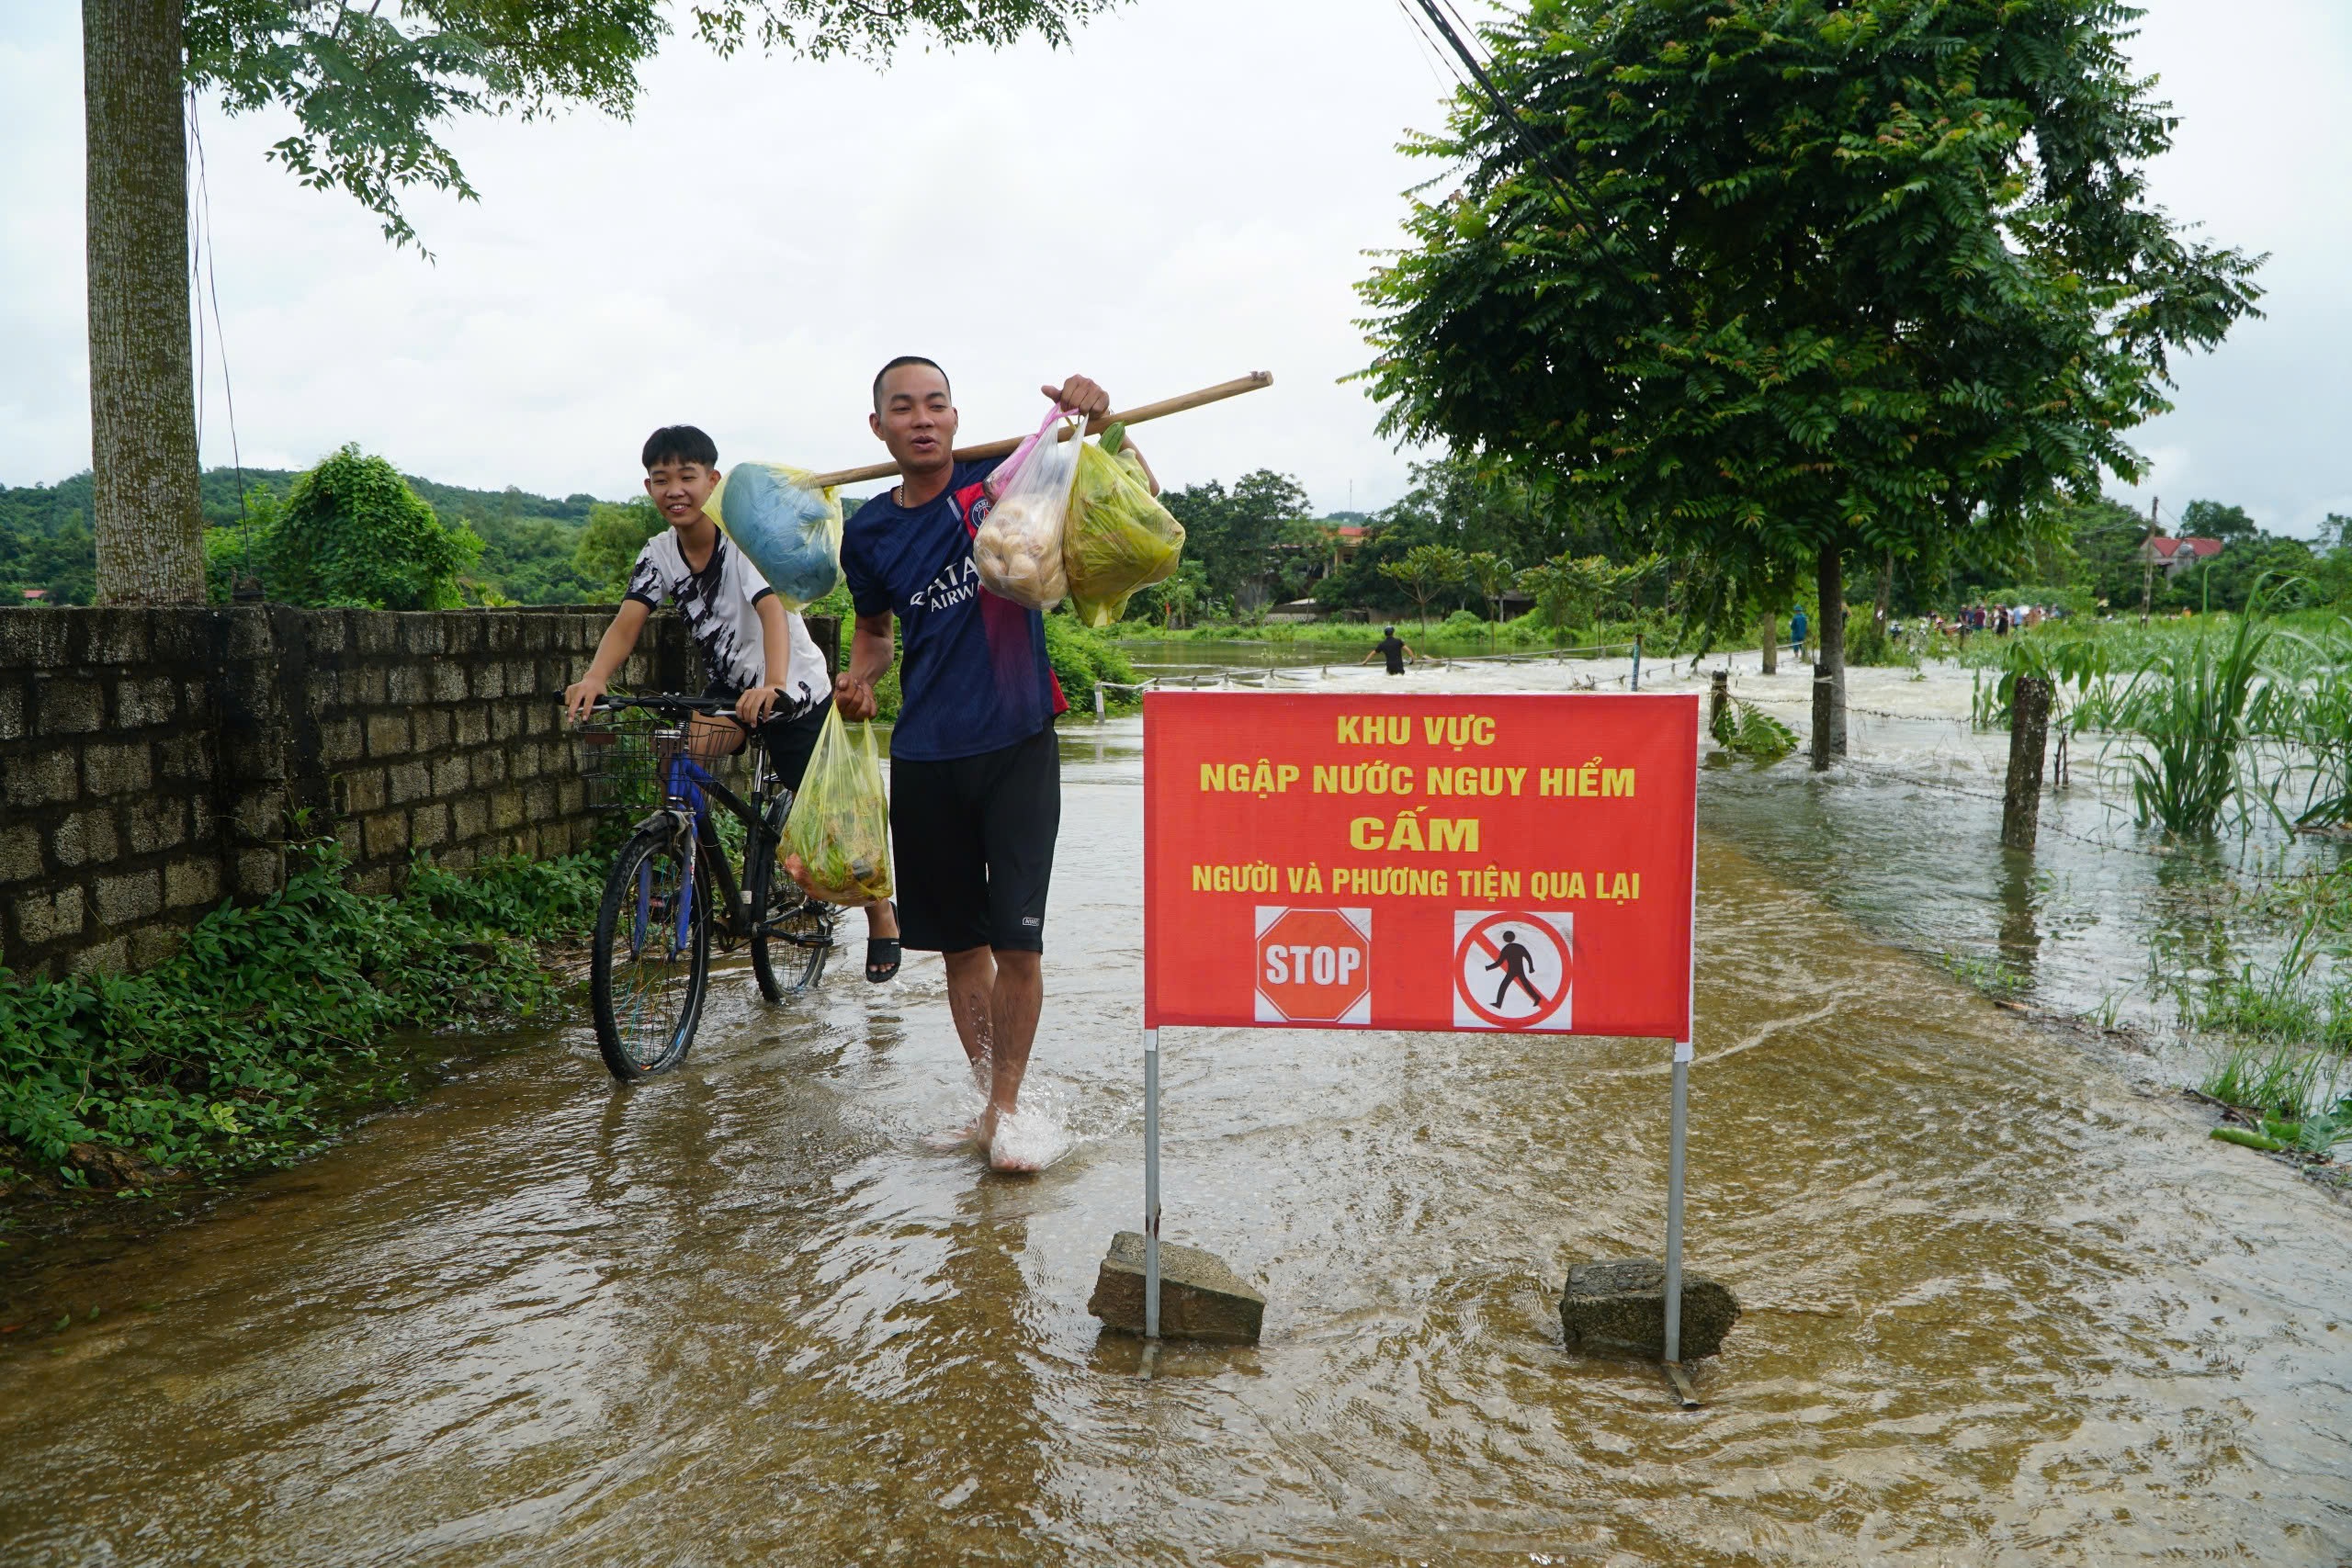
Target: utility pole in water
[(2148, 559)]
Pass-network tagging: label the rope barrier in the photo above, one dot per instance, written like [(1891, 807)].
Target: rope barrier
[(1881, 770)]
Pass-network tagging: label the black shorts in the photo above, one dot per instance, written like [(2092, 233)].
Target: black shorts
[(972, 845), (790, 741)]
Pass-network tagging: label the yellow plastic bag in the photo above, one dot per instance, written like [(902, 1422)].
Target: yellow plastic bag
[(784, 526), (1117, 537), (839, 825)]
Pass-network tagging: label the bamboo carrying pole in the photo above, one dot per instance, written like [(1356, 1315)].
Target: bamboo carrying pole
[(1218, 393)]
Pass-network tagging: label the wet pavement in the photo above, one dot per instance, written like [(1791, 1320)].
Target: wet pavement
[(2003, 1304)]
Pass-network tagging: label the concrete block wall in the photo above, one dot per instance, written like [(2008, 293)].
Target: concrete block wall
[(111, 826), (150, 759)]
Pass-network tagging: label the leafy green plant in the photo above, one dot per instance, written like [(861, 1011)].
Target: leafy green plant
[(1083, 656), (244, 1048), (1492, 576), (1747, 730), (2078, 664), (1795, 280), (352, 532), (2308, 712), (2295, 1086), (1571, 590), (1991, 976), (1426, 572), (609, 545), (2194, 721)]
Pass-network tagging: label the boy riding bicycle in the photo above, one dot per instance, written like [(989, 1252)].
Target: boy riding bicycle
[(755, 653)]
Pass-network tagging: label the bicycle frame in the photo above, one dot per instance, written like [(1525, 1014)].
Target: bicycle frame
[(687, 788)]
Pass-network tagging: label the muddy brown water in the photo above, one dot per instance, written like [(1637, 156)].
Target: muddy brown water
[(2002, 1307)]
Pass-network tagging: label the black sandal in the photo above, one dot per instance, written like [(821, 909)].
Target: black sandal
[(882, 956)]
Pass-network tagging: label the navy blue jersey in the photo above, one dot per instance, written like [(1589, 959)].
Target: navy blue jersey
[(973, 675)]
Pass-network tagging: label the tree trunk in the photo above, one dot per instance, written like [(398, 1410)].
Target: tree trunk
[(2028, 738), (1886, 605), (1771, 643), (142, 379), (1829, 665)]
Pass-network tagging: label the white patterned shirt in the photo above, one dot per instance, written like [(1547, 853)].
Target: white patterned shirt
[(721, 605)]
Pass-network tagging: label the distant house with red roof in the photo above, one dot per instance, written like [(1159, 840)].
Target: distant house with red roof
[(2174, 554)]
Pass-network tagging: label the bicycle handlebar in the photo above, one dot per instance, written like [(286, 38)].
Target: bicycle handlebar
[(666, 702)]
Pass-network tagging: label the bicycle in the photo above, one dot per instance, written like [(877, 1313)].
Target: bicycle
[(671, 888)]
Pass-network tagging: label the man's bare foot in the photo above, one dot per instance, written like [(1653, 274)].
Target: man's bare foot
[(1014, 1143)]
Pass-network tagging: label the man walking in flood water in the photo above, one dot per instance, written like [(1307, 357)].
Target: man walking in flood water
[(1513, 959), (974, 766), (1391, 647)]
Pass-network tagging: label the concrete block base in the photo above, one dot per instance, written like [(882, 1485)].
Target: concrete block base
[(1618, 1308), (1200, 1298)]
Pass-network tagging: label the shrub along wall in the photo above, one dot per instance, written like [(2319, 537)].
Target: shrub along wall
[(149, 758)]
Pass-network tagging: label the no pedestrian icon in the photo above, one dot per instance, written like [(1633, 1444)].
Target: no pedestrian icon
[(1512, 969)]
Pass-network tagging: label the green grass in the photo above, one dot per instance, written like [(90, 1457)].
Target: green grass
[(251, 1045), (1458, 633), (2300, 1096), (2194, 722), (1989, 975)]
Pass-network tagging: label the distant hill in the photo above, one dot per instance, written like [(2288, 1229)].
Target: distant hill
[(528, 539)]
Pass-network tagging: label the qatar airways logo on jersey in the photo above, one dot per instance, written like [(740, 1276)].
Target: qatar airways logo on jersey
[(958, 582)]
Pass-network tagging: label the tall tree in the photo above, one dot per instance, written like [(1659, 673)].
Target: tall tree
[(142, 373), (1426, 572), (1780, 281), (1235, 534), (2217, 520), (371, 94)]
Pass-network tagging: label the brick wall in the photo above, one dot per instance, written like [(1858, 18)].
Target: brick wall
[(149, 759)]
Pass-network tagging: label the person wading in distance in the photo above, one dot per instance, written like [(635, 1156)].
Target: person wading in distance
[(974, 766), (1393, 648)]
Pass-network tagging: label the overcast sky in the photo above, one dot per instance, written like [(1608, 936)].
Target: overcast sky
[(1185, 195)]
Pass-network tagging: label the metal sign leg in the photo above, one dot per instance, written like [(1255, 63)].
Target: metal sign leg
[(1151, 1183), (1674, 1204)]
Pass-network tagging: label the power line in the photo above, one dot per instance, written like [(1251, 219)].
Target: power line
[(1537, 156), (1439, 70), (221, 336)]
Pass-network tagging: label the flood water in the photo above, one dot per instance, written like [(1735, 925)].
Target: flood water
[(2002, 1305)]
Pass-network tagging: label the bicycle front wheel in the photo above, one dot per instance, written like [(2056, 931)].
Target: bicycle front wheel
[(650, 966)]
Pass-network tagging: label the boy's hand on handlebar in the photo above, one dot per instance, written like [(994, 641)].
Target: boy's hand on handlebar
[(755, 706), (579, 699), (853, 696)]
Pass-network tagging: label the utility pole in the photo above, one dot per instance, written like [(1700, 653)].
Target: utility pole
[(2148, 560)]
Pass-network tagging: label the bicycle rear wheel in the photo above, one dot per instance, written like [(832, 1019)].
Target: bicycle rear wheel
[(794, 935), (650, 966)]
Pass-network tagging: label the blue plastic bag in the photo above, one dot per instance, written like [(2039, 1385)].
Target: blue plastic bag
[(784, 526)]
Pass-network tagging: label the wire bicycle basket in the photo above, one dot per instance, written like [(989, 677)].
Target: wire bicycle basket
[(623, 754)]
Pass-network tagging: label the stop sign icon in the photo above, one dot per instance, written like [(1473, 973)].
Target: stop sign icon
[(1314, 965)]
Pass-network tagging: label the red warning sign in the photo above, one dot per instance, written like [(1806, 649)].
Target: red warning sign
[(1422, 862)]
